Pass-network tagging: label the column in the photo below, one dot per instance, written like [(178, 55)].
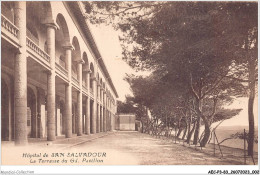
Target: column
[(87, 124), (94, 105), (68, 93), (104, 116), (41, 112), (101, 119), (98, 117), (79, 105), (108, 119), (87, 120), (101, 107), (20, 76), (51, 27), (58, 118), (98, 108)]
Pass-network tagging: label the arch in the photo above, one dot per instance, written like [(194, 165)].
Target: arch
[(98, 91), (5, 120), (37, 13), (62, 35), (48, 10), (85, 59), (7, 9), (62, 61), (32, 33), (97, 77), (74, 70), (92, 75), (76, 54), (31, 113), (85, 69), (101, 85), (62, 38)]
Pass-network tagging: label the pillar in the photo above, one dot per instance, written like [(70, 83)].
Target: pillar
[(110, 121), (105, 115), (98, 117), (58, 116), (98, 107), (87, 124), (68, 93), (87, 120), (79, 105), (101, 119), (108, 115), (101, 107), (94, 124), (74, 114), (20, 76), (41, 112), (51, 129)]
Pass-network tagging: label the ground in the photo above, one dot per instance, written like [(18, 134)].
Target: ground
[(113, 148), (143, 149)]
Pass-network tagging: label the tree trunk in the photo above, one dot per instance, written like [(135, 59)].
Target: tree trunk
[(206, 136), (197, 131), (189, 126), (179, 132), (190, 133), (251, 84), (142, 123), (184, 133), (203, 142)]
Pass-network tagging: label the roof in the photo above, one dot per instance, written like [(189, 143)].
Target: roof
[(125, 114), (76, 7)]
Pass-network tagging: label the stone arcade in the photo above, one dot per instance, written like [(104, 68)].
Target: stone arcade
[(54, 80)]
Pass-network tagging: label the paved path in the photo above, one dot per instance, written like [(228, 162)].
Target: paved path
[(113, 148), (133, 148)]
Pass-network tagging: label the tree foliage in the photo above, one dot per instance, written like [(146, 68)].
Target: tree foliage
[(202, 54)]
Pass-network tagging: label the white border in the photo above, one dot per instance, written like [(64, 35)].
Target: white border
[(140, 169)]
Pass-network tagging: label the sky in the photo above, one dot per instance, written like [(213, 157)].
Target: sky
[(109, 46)]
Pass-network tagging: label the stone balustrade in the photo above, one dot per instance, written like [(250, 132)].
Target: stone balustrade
[(9, 26), (37, 49), (84, 88), (74, 80), (61, 69), (91, 92), (32, 37)]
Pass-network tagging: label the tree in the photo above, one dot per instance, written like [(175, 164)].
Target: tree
[(200, 46), (126, 107)]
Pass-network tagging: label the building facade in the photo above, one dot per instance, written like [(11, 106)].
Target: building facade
[(125, 122), (53, 79)]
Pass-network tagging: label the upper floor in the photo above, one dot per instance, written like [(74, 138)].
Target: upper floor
[(72, 30)]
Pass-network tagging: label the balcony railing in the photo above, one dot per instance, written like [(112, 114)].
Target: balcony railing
[(9, 26), (37, 49), (91, 92), (60, 62), (32, 37), (85, 88), (74, 74), (74, 79), (84, 83), (61, 69)]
